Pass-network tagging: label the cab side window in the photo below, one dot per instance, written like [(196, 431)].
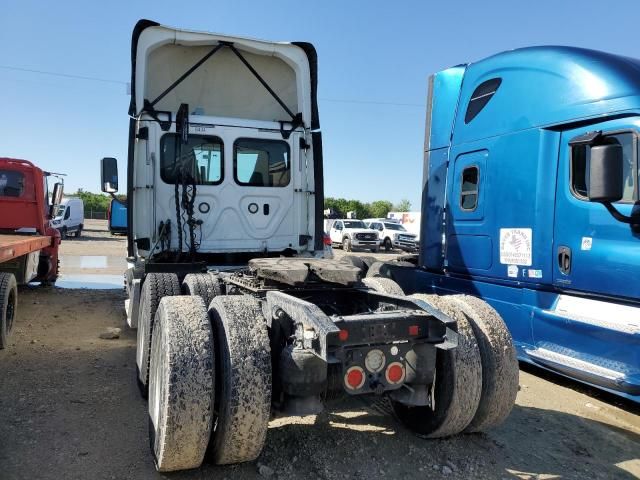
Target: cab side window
[(469, 188), (579, 162), (67, 213)]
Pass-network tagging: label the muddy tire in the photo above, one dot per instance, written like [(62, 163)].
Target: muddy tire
[(243, 379), (205, 285), (346, 244), (383, 285), (388, 246), (181, 379), (8, 306), (155, 287), (500, 371), (356, 262), (79, 231), (458, 381), (63, 233)]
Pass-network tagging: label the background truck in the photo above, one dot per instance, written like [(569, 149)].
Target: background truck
[(69, 218), (531, 203), (392, 234), (351, 234), (28, 244), (117, 216), (237, 313)]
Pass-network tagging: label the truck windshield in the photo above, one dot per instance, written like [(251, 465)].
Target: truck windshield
[(11, 183), (200, 158), (395, 226), (354, 224), (60, 211)]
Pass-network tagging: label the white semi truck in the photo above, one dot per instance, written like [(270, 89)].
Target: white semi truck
[(238, 314)]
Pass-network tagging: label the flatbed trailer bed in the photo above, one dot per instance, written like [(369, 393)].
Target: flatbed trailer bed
[(14, 246)]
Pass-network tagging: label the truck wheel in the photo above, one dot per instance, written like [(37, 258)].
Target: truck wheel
[(79, 231), (8, 306), (356, 262), (63, 233), (500, 371), (205, 285), (374, 269), (458, 381), (155, 286), (346, 244), (388, 246), (383, 285), (243, 379), (181, 384)]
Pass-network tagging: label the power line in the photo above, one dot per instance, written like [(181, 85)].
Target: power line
[(372, 102), (119, 82), (65, 75)]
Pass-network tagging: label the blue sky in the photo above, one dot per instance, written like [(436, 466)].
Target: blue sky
[(374, 61)]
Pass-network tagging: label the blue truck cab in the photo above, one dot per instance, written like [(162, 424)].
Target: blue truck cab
[(117, 217), (530, 201)]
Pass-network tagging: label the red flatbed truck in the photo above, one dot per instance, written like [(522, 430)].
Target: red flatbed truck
[(28, 243)]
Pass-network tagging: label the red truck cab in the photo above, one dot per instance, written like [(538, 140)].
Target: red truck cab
[(25, 212)]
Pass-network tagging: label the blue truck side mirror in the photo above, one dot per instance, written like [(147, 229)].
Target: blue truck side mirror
[(604, 173), (109, 175)]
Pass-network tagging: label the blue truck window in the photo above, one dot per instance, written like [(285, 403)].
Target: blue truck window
[(480, 97), (469, 188), (579, 155)]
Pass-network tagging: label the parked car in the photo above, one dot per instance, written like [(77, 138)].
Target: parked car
[(70, 217), (350, 234), (393, 235)]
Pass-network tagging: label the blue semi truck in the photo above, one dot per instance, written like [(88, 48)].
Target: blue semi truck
[(530, 201)]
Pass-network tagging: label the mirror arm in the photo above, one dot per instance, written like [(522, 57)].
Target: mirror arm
[(633, 220)]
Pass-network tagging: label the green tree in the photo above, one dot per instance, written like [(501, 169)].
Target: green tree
[(380, 208), (403, 206), (342, 206), (93, 201)]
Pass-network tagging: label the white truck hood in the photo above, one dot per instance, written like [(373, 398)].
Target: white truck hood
[(222, 86)]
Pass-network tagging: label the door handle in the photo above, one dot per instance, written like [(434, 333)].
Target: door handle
[(564, 260)]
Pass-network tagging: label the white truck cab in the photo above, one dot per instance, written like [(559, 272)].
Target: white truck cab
[(352, 233), (224, 156), (69, 219)]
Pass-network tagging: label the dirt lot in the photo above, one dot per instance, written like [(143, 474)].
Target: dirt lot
[(70, 408)]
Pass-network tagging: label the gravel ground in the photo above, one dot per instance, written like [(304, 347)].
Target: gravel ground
[(70, 408)]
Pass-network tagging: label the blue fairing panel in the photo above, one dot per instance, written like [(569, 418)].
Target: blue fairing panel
[(545, 86)]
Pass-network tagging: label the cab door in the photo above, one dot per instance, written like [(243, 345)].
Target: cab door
[(591, 328), (593, 252)]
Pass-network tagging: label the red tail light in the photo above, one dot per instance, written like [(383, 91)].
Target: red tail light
[(343, 335), (395, 373), (354, 378), (327, 239)]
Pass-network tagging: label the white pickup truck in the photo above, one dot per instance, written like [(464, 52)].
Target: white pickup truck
[(352, 234), (393, 235)]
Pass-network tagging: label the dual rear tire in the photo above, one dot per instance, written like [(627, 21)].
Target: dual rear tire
[(476, 383), (210, 383)]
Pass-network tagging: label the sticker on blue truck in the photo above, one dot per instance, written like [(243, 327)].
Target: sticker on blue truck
[(516, 246)]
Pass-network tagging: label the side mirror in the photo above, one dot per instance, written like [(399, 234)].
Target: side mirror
[(56, 198), (109, 175), (604, 174)]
